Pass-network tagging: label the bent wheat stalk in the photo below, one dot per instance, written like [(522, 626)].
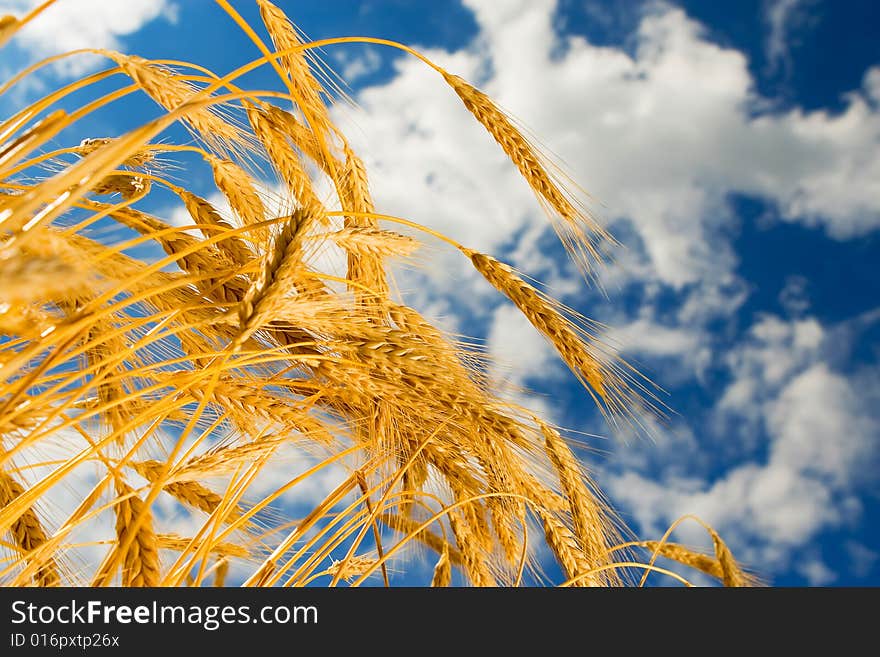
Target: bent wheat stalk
[(254, 388)]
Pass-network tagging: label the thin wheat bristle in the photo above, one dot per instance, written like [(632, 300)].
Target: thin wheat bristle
[(431, 540)]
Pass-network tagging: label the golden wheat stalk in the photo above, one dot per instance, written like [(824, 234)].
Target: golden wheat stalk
[(257, 371)]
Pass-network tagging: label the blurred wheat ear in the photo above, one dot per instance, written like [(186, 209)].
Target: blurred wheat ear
[(298, 427)]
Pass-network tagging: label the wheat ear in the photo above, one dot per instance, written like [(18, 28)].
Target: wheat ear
[(28, 532), (141, 559)]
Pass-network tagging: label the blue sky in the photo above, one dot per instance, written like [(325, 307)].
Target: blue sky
[(732, 147)]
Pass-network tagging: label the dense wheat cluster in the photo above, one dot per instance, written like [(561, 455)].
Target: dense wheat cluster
[(208, 378)]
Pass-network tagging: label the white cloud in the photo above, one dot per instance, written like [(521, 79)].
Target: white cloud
[(74, 24), (659, 138), (780, 16), (817, 573), (822, 441), (357, 66)]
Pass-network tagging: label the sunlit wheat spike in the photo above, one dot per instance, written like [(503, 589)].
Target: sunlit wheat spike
[(472, 557), (190, 493), (170, 91), (731, 573), (238, 188), (350, 569), (271, 131), (365, 270), (28, 532), (179, 544), (303, 139), (603, 375), (590, 524), (564, 545), (213, 267), (204, 214), (580, 234), (140, 562), (275, 276), (372, 242), (705, 563), (307, 90), (138, 159)]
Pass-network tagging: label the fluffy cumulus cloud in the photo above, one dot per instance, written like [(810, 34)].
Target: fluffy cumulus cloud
[(660, 136), (70, 25), (822, 442), (661, 133)]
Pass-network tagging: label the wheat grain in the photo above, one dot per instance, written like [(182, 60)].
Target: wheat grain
[(190, 493), (127, 186)]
